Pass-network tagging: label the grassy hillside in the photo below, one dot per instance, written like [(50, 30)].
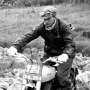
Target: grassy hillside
[(16, 22)]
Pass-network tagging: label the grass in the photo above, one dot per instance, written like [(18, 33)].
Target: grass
[(16, 22)]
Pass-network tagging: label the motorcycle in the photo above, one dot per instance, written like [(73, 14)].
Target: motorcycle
[(41, 72), (36, 73)]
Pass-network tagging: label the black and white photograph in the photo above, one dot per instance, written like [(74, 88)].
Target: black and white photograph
[(44, 44)]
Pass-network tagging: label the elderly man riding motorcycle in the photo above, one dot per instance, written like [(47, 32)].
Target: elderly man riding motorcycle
[(58, 42)]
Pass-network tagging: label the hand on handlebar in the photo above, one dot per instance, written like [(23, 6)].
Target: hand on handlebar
[(56, 60), (63, 58), (12, 51)]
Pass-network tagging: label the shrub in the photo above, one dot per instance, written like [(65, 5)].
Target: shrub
[(86, 34)]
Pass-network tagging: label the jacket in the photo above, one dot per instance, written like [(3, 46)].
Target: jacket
[(57, 41)]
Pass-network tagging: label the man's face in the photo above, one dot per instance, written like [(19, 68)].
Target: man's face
[(48, 22)]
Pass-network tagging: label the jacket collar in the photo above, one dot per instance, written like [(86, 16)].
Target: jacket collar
[(55, 26)]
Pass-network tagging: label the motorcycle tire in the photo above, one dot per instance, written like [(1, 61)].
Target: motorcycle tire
[(29, 88), (73, 74)]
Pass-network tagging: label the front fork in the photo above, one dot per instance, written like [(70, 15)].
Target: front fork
[(38, 85), (31, 87)]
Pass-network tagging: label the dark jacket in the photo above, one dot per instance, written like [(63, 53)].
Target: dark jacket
[(58, 40)]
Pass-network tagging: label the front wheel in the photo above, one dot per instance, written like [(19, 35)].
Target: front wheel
[(29, 88), (38, 85)]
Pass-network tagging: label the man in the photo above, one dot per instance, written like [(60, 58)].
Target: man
[(58, 42)]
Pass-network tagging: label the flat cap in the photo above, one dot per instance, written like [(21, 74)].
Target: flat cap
[(48, 10)]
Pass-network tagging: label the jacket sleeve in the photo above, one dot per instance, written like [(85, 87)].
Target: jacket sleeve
[(69, 44), (25, 39)]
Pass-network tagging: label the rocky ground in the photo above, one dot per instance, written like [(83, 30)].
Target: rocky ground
[(12, 68)]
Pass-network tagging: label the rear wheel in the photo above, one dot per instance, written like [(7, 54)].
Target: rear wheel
[(73, 75)]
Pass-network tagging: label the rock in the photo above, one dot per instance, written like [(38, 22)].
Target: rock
[(27, 50), (87, 67), (1, 89), (4, 85), (15, 87)]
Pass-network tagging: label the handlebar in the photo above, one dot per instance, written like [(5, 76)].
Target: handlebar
[(19, 55), (53, 60)]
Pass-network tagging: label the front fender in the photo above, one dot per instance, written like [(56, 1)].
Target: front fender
[(48, 73)]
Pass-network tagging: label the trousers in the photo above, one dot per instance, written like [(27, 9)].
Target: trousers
[(62, 79)]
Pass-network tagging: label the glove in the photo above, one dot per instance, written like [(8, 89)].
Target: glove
[(63, 58), (12, 50)]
